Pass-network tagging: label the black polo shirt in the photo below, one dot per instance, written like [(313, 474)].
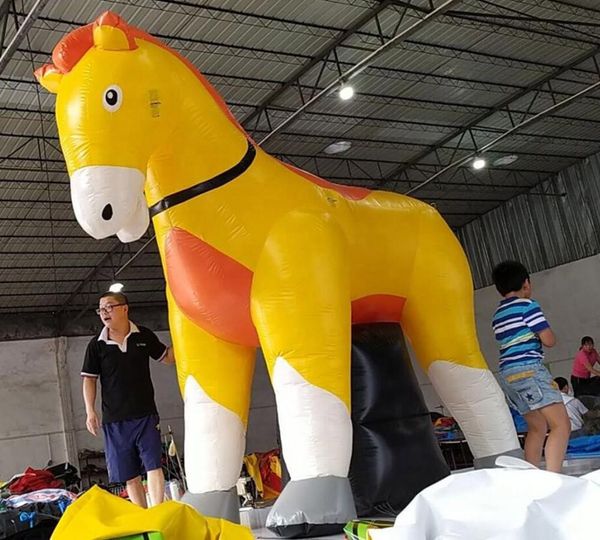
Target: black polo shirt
[(124, 373)]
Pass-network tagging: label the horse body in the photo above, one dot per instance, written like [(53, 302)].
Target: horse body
[(273, 257), (230, 226)]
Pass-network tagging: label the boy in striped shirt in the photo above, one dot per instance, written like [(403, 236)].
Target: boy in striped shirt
[(521, 329)]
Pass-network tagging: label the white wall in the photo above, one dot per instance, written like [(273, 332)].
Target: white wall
[(570, 298), (31, 430), (32, 424)]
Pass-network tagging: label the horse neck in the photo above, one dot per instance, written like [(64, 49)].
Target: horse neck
[(194, 151)]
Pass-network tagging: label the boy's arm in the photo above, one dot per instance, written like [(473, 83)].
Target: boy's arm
[(535, 319), (547, 337)]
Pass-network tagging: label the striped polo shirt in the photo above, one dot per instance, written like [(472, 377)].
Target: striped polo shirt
[(516, 323)]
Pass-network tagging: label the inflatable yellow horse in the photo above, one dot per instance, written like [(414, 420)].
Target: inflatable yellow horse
[(258, 253)]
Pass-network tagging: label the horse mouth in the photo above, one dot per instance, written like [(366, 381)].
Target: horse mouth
[(110, 200)]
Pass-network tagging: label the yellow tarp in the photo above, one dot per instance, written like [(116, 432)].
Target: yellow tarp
[(98, 515)]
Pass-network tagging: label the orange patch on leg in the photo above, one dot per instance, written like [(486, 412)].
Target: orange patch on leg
[(211, 288)]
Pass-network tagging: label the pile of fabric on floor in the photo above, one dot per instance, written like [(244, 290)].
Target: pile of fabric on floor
[(32, 503), (264, 471), (446, 429)]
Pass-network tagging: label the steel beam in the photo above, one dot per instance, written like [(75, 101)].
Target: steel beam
[(503, 105), (318, 58), (21, 33), (109, 267), (416, 44), (362, 64), (4, 15), (508, 133)]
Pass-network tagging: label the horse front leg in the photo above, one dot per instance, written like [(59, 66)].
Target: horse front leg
[(215, 379), (301, 309)]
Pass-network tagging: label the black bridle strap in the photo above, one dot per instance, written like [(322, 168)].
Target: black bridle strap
[(206, 185)]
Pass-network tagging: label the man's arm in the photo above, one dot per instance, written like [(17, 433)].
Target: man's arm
[(169, 357), (89, 397), (158, 350)]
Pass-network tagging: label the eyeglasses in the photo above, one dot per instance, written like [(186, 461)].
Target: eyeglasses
[(108, 308)]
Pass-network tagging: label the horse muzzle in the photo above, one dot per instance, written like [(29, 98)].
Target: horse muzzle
[(110, 200)]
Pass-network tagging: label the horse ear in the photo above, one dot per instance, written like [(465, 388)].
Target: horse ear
[(49, 77), (111, 33)]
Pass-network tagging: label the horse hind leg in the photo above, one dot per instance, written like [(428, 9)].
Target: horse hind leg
[(440, 323)]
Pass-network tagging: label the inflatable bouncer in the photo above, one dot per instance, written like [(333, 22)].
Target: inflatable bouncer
[(257, 253)]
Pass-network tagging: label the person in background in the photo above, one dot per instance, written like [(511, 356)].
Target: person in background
[(583, 366), (119, 357), (575, 409), (521, 329)]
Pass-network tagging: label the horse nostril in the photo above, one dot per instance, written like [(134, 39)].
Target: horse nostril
[(107, 212)]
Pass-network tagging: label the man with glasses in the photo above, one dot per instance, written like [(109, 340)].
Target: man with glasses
[(119, 357)]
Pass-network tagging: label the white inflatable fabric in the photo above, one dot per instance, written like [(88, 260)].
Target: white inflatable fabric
[(510, 503)]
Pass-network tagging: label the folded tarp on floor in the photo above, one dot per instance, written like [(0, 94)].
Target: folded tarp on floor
[(98, 515)]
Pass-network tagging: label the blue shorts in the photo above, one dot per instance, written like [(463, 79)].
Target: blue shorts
[(132, 447), (529, 388)]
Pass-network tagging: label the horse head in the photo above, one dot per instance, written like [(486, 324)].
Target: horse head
[(112, 112)]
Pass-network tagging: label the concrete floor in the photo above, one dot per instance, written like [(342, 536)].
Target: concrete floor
[(264, 534)]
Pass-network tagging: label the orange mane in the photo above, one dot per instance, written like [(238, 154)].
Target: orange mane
[(70, 49)]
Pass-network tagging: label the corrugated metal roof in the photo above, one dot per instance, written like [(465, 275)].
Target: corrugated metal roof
[(445, 77)]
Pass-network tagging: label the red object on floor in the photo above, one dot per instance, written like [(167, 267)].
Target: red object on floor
[(33, 480), (270, 478)]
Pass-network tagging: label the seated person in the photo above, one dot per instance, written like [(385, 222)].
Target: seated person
[(575, 409), (583, 366)]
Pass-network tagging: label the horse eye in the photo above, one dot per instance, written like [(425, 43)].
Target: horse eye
[(113, 98)]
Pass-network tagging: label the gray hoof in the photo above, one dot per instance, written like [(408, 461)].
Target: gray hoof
[(312, 507), (489, 462), (217, 504)]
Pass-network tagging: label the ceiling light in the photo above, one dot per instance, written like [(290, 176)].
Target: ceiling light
[(346, 92), (479, 163), (337, 147), (116, 287), (505, 160)]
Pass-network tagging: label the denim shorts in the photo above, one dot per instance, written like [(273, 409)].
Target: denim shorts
[(132, 447), (529, 388)]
